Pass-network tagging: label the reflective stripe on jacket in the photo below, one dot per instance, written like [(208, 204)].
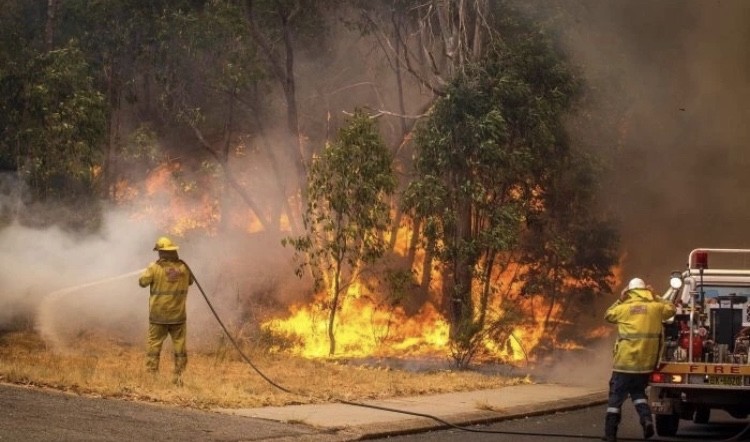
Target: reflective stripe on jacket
[(639, 329), (169, 281)]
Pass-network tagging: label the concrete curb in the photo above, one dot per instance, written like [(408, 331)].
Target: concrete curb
[(421, 425)]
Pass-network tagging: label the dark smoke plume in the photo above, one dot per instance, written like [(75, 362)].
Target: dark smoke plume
[(667, 109)]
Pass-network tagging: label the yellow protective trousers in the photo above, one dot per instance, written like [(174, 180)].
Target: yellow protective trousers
[(157, 333)]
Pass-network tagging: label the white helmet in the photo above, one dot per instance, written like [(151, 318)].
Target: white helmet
[(636, 283)]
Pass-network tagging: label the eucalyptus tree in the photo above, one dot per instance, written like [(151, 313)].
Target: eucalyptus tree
[(277, 43), (347, 210), (431, 40), (484, 160), (426, 44), (207, 66)]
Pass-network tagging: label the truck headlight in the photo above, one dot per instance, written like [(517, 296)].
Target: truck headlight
[(675, 281)]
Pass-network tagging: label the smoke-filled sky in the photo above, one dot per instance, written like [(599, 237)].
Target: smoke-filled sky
[(670, 83)]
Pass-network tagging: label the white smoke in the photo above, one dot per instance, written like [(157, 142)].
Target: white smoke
[(589, 366), (63, 283), (67, 286)]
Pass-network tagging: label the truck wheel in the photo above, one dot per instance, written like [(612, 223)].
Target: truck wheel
[(702, 415), (667, 424)]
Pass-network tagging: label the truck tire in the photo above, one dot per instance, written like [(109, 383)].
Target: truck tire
[(702, 415), (667, 424)]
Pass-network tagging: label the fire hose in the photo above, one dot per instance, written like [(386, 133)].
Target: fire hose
[(445, 424)]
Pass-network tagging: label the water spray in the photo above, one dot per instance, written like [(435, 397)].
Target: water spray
[(47, 306)]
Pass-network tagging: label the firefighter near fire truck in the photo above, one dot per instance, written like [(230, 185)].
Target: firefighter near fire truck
[(638, 316), (168, 279)]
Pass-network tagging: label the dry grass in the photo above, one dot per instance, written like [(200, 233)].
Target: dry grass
[(102, 368)]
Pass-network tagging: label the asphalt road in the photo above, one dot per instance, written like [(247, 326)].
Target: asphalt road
[(28, 414), (581, 425)]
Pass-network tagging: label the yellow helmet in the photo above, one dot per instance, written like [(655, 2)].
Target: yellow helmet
[(165, 243)]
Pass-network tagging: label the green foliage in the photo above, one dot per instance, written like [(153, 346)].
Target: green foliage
[(196, 78), (483, 150), (492, 157), (171, 65), (142, 146), (348, 190), (307, 20), (58, 133), (399, 283), (17, 45), (570, 247), (20, 21)]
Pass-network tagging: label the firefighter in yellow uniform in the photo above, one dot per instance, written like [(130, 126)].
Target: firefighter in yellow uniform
[(168, 279), (638, 315)]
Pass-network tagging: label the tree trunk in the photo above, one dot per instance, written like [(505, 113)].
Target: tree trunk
[(462, 307), (284, 74), (283, 205), (49, 29), (486, 287), (399, 80), (334, 305), (332, 313), (229, 177), (429, 257), (553, 295), (109, 168)]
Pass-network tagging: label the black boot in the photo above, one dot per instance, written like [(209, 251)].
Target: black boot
[(648, 427), (611, 421), (647, 422)]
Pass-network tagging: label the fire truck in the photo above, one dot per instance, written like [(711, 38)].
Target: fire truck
[(703, 364)]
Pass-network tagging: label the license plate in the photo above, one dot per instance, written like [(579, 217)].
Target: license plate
[(725, 380), (661, 407)]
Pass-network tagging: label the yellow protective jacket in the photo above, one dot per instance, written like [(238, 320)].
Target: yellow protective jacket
[(639, 330), (169, 281)]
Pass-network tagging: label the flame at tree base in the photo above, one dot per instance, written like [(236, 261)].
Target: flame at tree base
[(364, 328), (371, 331)]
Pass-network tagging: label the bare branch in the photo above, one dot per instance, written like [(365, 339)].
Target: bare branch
[(230, 177), (406, 58), (265, 46), (380, 112)]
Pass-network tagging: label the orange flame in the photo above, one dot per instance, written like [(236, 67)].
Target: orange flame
[(178, 204), (362, 328), (367, 327)]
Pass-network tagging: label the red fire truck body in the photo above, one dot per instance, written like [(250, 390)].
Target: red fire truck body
[(704, 358)]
